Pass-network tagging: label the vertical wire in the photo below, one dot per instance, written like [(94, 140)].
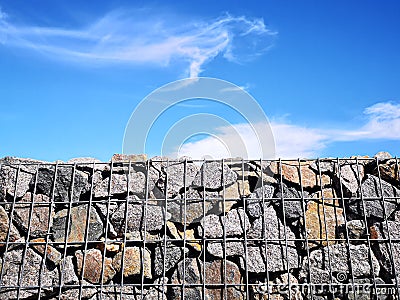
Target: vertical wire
[(68, 220), (387, 228), (103, 257), (303, 205), (348, 243), (245, 232), (224, 226), (204, 234), (127, 202), (264, 229), (11, 217), (284, 223), (165, 230), (366, 223), (184, 228), (86, 231), (27, 236), (145, 228)]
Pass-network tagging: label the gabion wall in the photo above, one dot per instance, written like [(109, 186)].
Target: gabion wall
[(181, 229)]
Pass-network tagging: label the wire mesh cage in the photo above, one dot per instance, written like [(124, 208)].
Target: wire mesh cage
[(190, 229)]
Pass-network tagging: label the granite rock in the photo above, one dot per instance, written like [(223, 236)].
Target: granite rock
[(255, 202), (135, 214), (35, 212), (212, 176), (133, 258), (76, 225), (373, 205), (235, 223), (26, 270), (93, 270), (65, 178)]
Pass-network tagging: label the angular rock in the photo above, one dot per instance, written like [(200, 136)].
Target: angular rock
[(347, 178), (374, 206), (388, 170), (321, 219), (273, 259), (255, 202), (230, 248), (119, 184), (291, 201), (269, 226), (65, 179), (93, 267), (181, 235), (5, 227), (191, 212), (129, 157), (169, 259), (278, 289), (116, 292), (133, 260), (355, 230), (368, 292), (235, 223), (336, 257), (33, 273), (77, 223), (211, 176), (10, 169), (174, 175), (52, 254), (293, 173), (214, 275), (139, 217), (389, 256), (36, 212)]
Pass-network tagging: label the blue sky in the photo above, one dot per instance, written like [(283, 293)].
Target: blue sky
[(326, 73)]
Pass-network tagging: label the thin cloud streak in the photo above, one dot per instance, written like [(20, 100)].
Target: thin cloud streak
[(122, 36), (294, 141)]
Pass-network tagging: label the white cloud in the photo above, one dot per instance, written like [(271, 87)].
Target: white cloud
[(122, 36), (293, 141)]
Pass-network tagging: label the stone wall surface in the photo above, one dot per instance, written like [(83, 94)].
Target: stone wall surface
[(134, 228)]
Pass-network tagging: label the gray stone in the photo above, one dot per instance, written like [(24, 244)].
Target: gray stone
[(211, 176), (291, 208), (371, 191), (235, 223), (25, 271), (174, 175), (66, 177), (348, 177), (172, 254), (117, 292), (13, 235), (255, 201), (355, 230), (337, 256), (214, 274), (270, 227), (35, 212), (383, 250), (274, 258), (76, 221), (9, 185), (231, 249), (119, 184), (196, 207), (323, 166), (139, 217)]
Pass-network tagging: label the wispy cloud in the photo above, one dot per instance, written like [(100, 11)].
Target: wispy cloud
[(122, 36), (293, 141)]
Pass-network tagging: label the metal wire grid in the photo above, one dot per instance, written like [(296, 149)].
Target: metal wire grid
[(247, 285)]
